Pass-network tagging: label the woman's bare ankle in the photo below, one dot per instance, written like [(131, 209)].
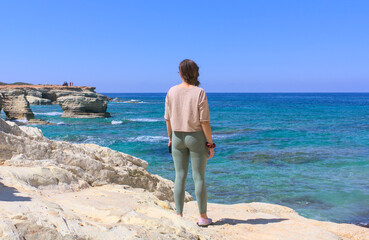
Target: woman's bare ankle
[(204, 215)]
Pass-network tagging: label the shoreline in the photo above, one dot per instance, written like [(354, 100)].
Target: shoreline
[(114, 189), (291, 205)]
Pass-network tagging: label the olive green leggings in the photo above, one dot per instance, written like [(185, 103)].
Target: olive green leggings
[(185, 145)]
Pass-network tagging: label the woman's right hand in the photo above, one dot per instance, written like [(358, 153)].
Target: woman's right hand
[(210, 152)]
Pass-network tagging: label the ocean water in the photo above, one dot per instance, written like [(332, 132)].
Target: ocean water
[(307, 151)]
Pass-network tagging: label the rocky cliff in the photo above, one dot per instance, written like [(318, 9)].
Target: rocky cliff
[(76, 102), (15, 104), (60, 190)]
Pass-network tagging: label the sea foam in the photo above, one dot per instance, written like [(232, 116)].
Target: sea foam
[(21, 120), (145, 119), (147, 139), (49, 113)]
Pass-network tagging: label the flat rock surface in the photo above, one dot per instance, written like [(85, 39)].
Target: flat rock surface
[(115, 211)]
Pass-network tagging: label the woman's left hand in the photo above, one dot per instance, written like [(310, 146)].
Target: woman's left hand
[(170, 142), (210, 152)]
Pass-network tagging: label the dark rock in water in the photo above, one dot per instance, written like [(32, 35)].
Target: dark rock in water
[(363, 224), (116, 99), (31, 122), (34, 121)]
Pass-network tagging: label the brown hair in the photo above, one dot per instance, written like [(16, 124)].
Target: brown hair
[(189, 71)]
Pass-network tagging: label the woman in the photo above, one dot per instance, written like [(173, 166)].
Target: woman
[(188, 124)]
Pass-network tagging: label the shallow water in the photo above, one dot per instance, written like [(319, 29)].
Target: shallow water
[(307, 151)]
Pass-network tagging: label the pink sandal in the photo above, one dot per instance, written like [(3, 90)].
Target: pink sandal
[(204, 222)]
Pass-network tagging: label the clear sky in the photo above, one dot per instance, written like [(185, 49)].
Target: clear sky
[(136, 46)]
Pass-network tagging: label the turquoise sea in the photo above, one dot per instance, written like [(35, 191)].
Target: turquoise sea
[(307, 151)]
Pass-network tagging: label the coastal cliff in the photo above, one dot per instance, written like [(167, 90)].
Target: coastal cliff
[(14, 104), (75, 101), (60, 190)]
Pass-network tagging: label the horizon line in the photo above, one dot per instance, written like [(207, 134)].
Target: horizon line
[(240, 92)]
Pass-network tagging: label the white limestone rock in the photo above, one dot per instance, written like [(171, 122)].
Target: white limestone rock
[(59, 190), (15, 104), (88, 162), (38, 101), (84, 105)]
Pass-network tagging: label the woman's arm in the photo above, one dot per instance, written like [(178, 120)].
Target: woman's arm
[(207, 131), (169, 129)]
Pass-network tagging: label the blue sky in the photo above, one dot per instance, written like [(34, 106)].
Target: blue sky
[(136, 46)]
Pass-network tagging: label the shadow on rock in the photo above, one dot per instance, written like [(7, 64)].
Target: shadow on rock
[(7, 194), (232, 221)]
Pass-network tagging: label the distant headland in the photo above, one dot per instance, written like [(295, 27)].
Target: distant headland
[(75, 101)]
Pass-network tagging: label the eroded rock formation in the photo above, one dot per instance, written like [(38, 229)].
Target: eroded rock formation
[(15, 104), (38, 101), (76, 102), (84, 105)]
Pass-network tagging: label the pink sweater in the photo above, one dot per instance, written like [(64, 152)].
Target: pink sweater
[(186, 108)]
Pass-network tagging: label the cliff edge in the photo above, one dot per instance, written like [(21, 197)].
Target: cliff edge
[(60, 190)]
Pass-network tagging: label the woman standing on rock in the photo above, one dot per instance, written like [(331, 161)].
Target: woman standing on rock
[(188, 125)]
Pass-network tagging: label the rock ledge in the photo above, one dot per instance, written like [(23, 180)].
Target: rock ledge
[(60, 190)]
